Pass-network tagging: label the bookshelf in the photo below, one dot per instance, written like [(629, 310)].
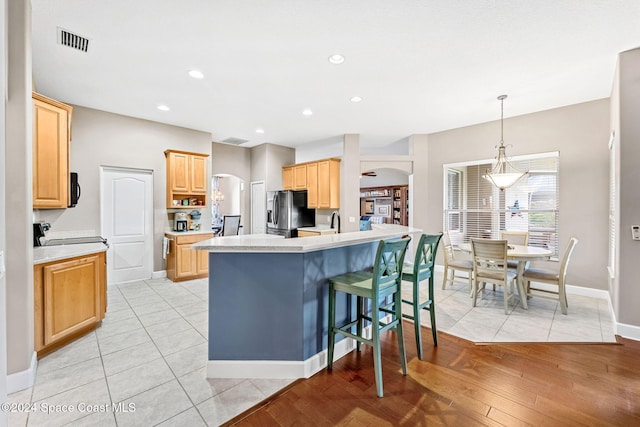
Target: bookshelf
[(390, 202)]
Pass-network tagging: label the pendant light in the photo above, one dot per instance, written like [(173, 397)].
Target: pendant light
[(503, 175)]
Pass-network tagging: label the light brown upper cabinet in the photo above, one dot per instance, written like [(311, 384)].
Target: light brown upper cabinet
[(187, 179), (294, 177), (321, 180), (329, 184), (51, 137), (300, 177), (312, 185), (287, 177)]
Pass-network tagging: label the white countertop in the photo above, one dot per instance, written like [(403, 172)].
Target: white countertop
[(44, 254), (319, 229), (272, 243), (186, 233)]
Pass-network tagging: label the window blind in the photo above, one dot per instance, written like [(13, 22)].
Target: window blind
[(475, 208)]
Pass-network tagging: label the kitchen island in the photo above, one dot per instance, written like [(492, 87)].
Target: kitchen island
[(268, 299)]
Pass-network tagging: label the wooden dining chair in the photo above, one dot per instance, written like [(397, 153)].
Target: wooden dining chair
[(490, 266), (451, 264), (384, 281), (420, 270), (551, 277), (514, 238)]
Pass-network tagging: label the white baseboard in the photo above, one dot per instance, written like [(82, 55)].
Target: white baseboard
[(159, 274), (23, 379), (587, 292), (276, 368), (628, 331)]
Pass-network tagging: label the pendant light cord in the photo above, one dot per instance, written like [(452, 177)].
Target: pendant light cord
[(502, 98)]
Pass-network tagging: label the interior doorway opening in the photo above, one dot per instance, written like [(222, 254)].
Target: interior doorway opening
[(227, 198), (385, 196)]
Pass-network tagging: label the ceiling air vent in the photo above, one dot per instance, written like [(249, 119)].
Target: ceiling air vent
[(73, 41), (235, 141)]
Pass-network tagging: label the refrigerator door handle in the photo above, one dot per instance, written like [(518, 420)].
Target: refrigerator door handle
[(275, 209)]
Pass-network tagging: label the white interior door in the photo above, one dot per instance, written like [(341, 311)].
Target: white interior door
[(258, 208), (127, 223)]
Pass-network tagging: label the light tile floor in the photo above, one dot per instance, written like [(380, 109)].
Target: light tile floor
[(151, 351), (588, 319), (149, 354)]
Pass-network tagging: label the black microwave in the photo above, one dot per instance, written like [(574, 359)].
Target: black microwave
[(74, 189)]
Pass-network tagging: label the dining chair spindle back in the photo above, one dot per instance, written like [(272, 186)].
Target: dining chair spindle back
[(451, 264), (551, 277), (490, 266)]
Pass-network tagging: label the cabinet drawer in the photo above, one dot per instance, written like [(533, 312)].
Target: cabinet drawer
[(192, 238)]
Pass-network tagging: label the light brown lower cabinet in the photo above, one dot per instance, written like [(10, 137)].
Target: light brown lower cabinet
[(307, 233), (184, 263), (70, 299)]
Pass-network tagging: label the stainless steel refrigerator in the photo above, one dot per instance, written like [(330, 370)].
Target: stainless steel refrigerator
[(287, 211)]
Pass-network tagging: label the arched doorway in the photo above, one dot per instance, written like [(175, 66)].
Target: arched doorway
[(227, 198), (386, 191)]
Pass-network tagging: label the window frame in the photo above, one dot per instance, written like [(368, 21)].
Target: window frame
[(496, 218)]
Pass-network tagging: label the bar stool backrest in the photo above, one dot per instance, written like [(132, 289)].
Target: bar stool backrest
[(387, 270)]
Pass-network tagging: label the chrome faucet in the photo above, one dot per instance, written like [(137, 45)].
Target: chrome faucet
[(334, 215)]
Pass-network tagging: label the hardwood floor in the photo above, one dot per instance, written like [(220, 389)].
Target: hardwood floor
[(460, 383)]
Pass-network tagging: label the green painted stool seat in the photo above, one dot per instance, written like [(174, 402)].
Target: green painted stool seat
[(374, 286), (418, 271)]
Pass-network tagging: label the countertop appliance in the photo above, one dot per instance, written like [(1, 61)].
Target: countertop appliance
[(180, 222), (74, 189), (39, 230), (287, 211)]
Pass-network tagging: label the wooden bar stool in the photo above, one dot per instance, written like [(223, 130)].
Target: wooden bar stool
[(420, 270), (385, 280)]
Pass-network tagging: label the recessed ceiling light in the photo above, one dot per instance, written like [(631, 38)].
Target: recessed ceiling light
[(163, 107), (196, 74), (259, 130), (307, 112), (356, 99), (336, 59)]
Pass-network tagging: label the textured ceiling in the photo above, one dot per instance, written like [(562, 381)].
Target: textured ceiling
[(420, 66)]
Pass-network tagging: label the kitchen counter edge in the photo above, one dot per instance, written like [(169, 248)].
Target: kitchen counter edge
[(45, 254), (269, 243)]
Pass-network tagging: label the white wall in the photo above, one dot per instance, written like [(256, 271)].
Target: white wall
[(232, 188), (385, 177), (18, 177), (625, 123), (236, 161), (106, 139), (3, 224), (579, 132)]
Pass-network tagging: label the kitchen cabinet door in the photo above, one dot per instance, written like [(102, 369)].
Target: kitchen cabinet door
[(179, 172), (187, 179), (329, 184), (185, 261), (312, 185), (300, 177), (50, 153), (198, 174), (202, 263), (287, 177), (72, 299)]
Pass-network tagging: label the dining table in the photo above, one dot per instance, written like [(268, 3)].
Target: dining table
[(522, 254)]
